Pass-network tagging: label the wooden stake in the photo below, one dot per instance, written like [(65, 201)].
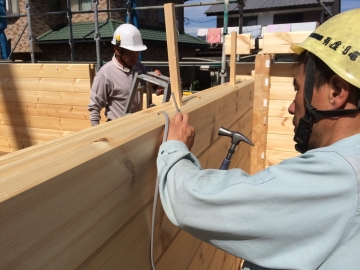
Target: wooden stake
[(173, 52), (233, 58)]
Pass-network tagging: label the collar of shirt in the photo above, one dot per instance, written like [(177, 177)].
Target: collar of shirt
[(118, 65)]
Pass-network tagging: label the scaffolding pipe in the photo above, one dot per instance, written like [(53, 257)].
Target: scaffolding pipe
[(225, 30), (27, 6), (71, 39), (322, 4), (119, 9), (241, 4), (97, 34), (17, 42), (129, 12)]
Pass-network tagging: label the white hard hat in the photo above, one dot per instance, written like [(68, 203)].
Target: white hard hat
[(128, 37)]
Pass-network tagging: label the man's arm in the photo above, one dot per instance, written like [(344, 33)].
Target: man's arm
[(98, 98)]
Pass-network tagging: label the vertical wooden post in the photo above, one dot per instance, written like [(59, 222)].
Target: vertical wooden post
[(261, 108), (173, 52), (233, 58)]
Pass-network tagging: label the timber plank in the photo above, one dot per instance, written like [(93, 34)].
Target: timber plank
[(242, 45), (18, 143), (279, 108), (42, 122), (218, 260), (233, 58), (203, 257), (232, 103), (103, 211), (46, 97), (134, 235), (211, 159), (45, 84), (280, 42), (280, 142), (244, 69), (281, 91), (283, 71), (31, 133), (180, 254), (173, 52), (68, 143), (280, 125), (287, 38), (229, 262), (65, 216), (80, 71), (274, 157), (47, 110)]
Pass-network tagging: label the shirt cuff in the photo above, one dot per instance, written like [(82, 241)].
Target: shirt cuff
[(94, 122), (172, 146)]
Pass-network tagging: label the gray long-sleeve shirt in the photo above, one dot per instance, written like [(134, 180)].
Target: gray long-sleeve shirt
[(303, 213), (110, 89)]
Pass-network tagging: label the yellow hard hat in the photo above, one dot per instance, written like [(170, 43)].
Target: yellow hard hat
[(337, 43)]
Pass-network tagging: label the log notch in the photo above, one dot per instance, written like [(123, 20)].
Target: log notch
[(261, 106)]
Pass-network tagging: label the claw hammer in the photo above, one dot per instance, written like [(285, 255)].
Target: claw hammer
[(236, 138)]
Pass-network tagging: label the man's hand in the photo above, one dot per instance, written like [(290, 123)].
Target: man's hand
[(180, 130)]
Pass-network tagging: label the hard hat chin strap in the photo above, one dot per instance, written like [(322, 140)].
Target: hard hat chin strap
[(303, 131)]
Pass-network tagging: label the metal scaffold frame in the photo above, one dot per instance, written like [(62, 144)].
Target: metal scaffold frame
[(95, 10)]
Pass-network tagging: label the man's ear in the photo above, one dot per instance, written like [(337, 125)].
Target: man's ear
[(117, 50), (341, 95)]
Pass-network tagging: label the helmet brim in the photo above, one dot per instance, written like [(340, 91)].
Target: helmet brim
[(297, 49)]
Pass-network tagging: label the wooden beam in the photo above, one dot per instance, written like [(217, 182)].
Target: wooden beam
[(261, 103), (173, 52), (71, 197), (79, 71), (233, 59), (280, 42), (243, 44)]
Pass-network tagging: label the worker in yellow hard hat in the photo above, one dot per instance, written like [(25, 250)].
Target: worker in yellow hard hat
[(303, 213)]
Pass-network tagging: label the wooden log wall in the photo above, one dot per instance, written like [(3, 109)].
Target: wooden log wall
[(274, 92), (261, 107), (84, 201), (41, 102), (280, 143)]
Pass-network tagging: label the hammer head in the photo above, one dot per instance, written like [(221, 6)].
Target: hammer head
[(236, 137)]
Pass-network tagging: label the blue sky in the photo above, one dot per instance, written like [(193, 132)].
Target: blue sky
[(197, 18)]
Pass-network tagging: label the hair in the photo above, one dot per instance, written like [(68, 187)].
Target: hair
[(323, 72)]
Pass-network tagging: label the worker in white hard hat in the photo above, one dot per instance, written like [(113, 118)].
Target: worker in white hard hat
[(303, 213), (113, 81)]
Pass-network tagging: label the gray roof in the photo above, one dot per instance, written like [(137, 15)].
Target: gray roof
[(261, 5)]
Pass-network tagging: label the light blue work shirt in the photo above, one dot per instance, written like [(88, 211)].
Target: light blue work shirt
[(300, 214)]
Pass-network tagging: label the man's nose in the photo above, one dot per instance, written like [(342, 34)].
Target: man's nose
[(291, 108)]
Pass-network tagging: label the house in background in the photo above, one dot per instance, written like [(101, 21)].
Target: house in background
[(51, 31), (267, 16), (259, 12)]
